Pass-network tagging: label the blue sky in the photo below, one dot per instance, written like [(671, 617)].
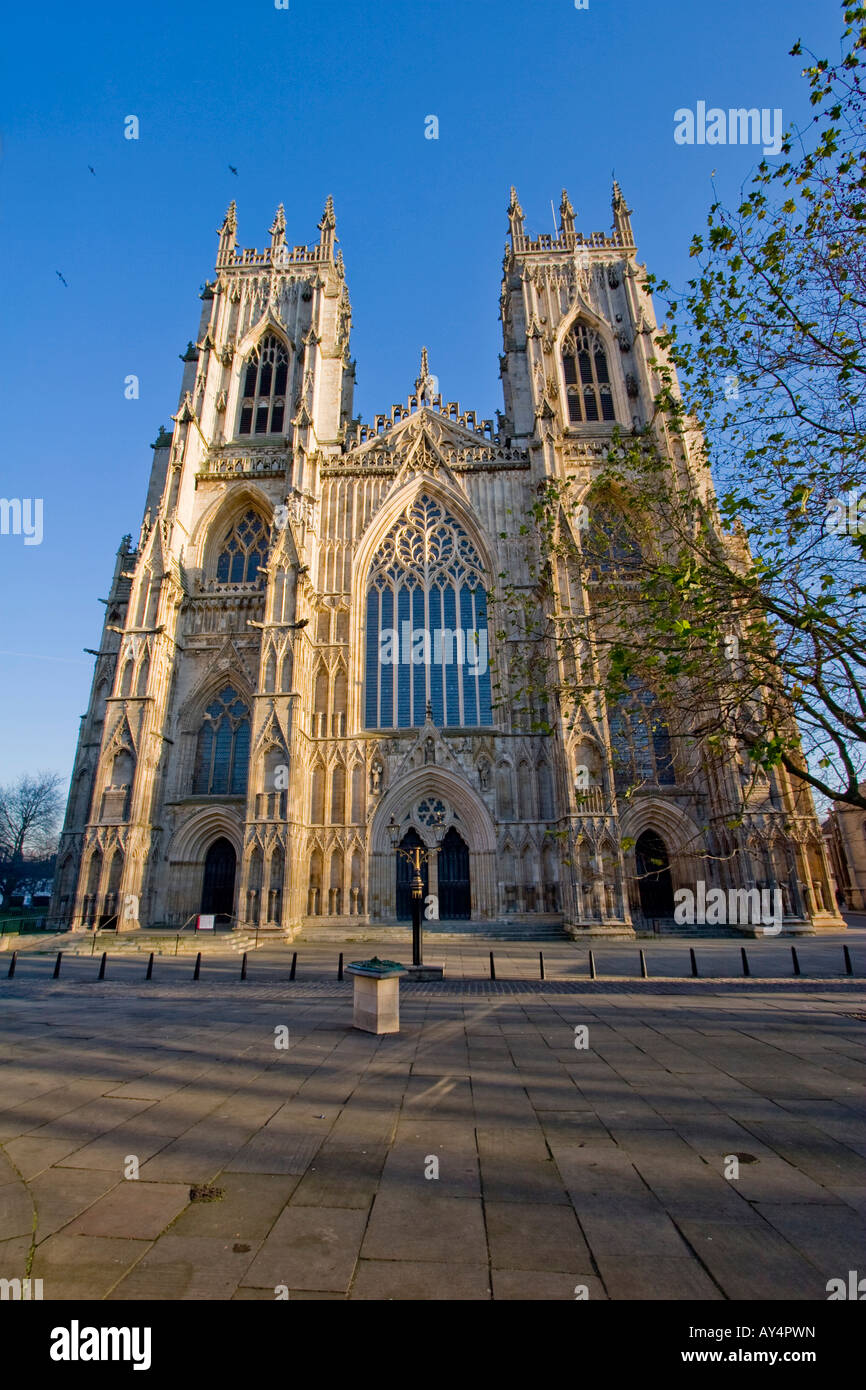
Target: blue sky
[(320, 98)]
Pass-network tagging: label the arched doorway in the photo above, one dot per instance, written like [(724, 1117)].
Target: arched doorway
[(218, 887), (405, 875), (455, 898), (654, 876)]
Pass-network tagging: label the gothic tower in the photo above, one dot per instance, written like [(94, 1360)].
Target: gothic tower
[(297, 653)]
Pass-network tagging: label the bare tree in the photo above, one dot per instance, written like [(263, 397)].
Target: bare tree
[(29, 815)]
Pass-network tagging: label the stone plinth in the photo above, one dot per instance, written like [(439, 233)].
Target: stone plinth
[(377, 995)]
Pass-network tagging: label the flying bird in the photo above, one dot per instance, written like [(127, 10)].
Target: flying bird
[(91, 168), (57, 272), (233, 169)]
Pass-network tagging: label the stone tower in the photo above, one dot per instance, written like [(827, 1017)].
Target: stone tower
[(296, 653)]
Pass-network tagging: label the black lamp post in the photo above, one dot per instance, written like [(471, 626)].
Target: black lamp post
[(414, 857)]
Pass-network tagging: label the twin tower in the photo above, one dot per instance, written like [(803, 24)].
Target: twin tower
[(297, 650)]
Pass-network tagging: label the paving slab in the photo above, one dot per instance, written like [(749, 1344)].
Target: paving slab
[(136, 1209), (84, 1267), (187, 1268), (423, 1226), (407, 1281), (531, 1235), (312, 1248)]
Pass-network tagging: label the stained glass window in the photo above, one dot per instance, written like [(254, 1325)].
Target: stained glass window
[(223, 753), (426, 634), (640, 741), (243, 550)]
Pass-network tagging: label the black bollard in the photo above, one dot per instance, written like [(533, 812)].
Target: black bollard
[(694, 962), (849, 969), (149, 975), (340, 967), (294, 965), (541, 965), (197, 972), (57, 965), (11, 970), (795, 960), (745, 960), (492, 967), (591, 966), (644, 973), (244, 967), (101, 975)]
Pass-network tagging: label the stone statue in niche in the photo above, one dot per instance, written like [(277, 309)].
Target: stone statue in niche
[(376, 778), (484, 775), (429, 751)]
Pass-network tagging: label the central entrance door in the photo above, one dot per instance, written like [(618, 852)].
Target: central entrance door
[(654, 876), (218, 889), (405, 874), (455, 898)]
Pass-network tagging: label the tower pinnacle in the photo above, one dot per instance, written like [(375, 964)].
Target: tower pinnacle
[(515, 215), (228, 231), (566, 214), (278, 228), (328, 225), (621, 216), (425, 384)]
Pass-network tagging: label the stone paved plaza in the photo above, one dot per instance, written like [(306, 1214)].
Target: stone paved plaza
[(558, 1167)]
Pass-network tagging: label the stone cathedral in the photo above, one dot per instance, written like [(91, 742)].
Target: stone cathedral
[(296, 652)]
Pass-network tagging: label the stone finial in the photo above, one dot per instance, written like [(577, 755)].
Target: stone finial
[(228, 232), (424, 381), (278, 228), (566, 213), (515, 214), (328, 224), (621, 216)]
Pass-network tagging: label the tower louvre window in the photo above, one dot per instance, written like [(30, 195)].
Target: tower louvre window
[(587, 382), (263, 404)]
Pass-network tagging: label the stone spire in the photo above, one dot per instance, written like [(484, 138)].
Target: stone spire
[(515, 215), (278, 229), (566, 214), (228, 231), (328, 226), (621, 216), (425, 383)]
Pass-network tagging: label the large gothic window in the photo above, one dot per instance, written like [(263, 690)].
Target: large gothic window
[(426, 625), (263, 399), (640, 741), (243, 551), (608, 547), (587, 383), (223, 747)]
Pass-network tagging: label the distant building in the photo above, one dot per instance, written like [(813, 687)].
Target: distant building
[(845, 833), (296, 650)]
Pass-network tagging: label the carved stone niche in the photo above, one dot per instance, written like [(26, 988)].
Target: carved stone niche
[(612, 277), (631, 386)]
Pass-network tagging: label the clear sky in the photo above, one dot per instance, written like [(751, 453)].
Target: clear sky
[(327, 96)]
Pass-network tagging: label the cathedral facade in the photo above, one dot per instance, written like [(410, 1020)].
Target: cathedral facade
[(299, 657)]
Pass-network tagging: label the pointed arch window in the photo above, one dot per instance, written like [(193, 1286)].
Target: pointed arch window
[(587, 382), (640, 741), (263, 386), (426, 625), (223, 753), (243, 551), (608, 546)]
